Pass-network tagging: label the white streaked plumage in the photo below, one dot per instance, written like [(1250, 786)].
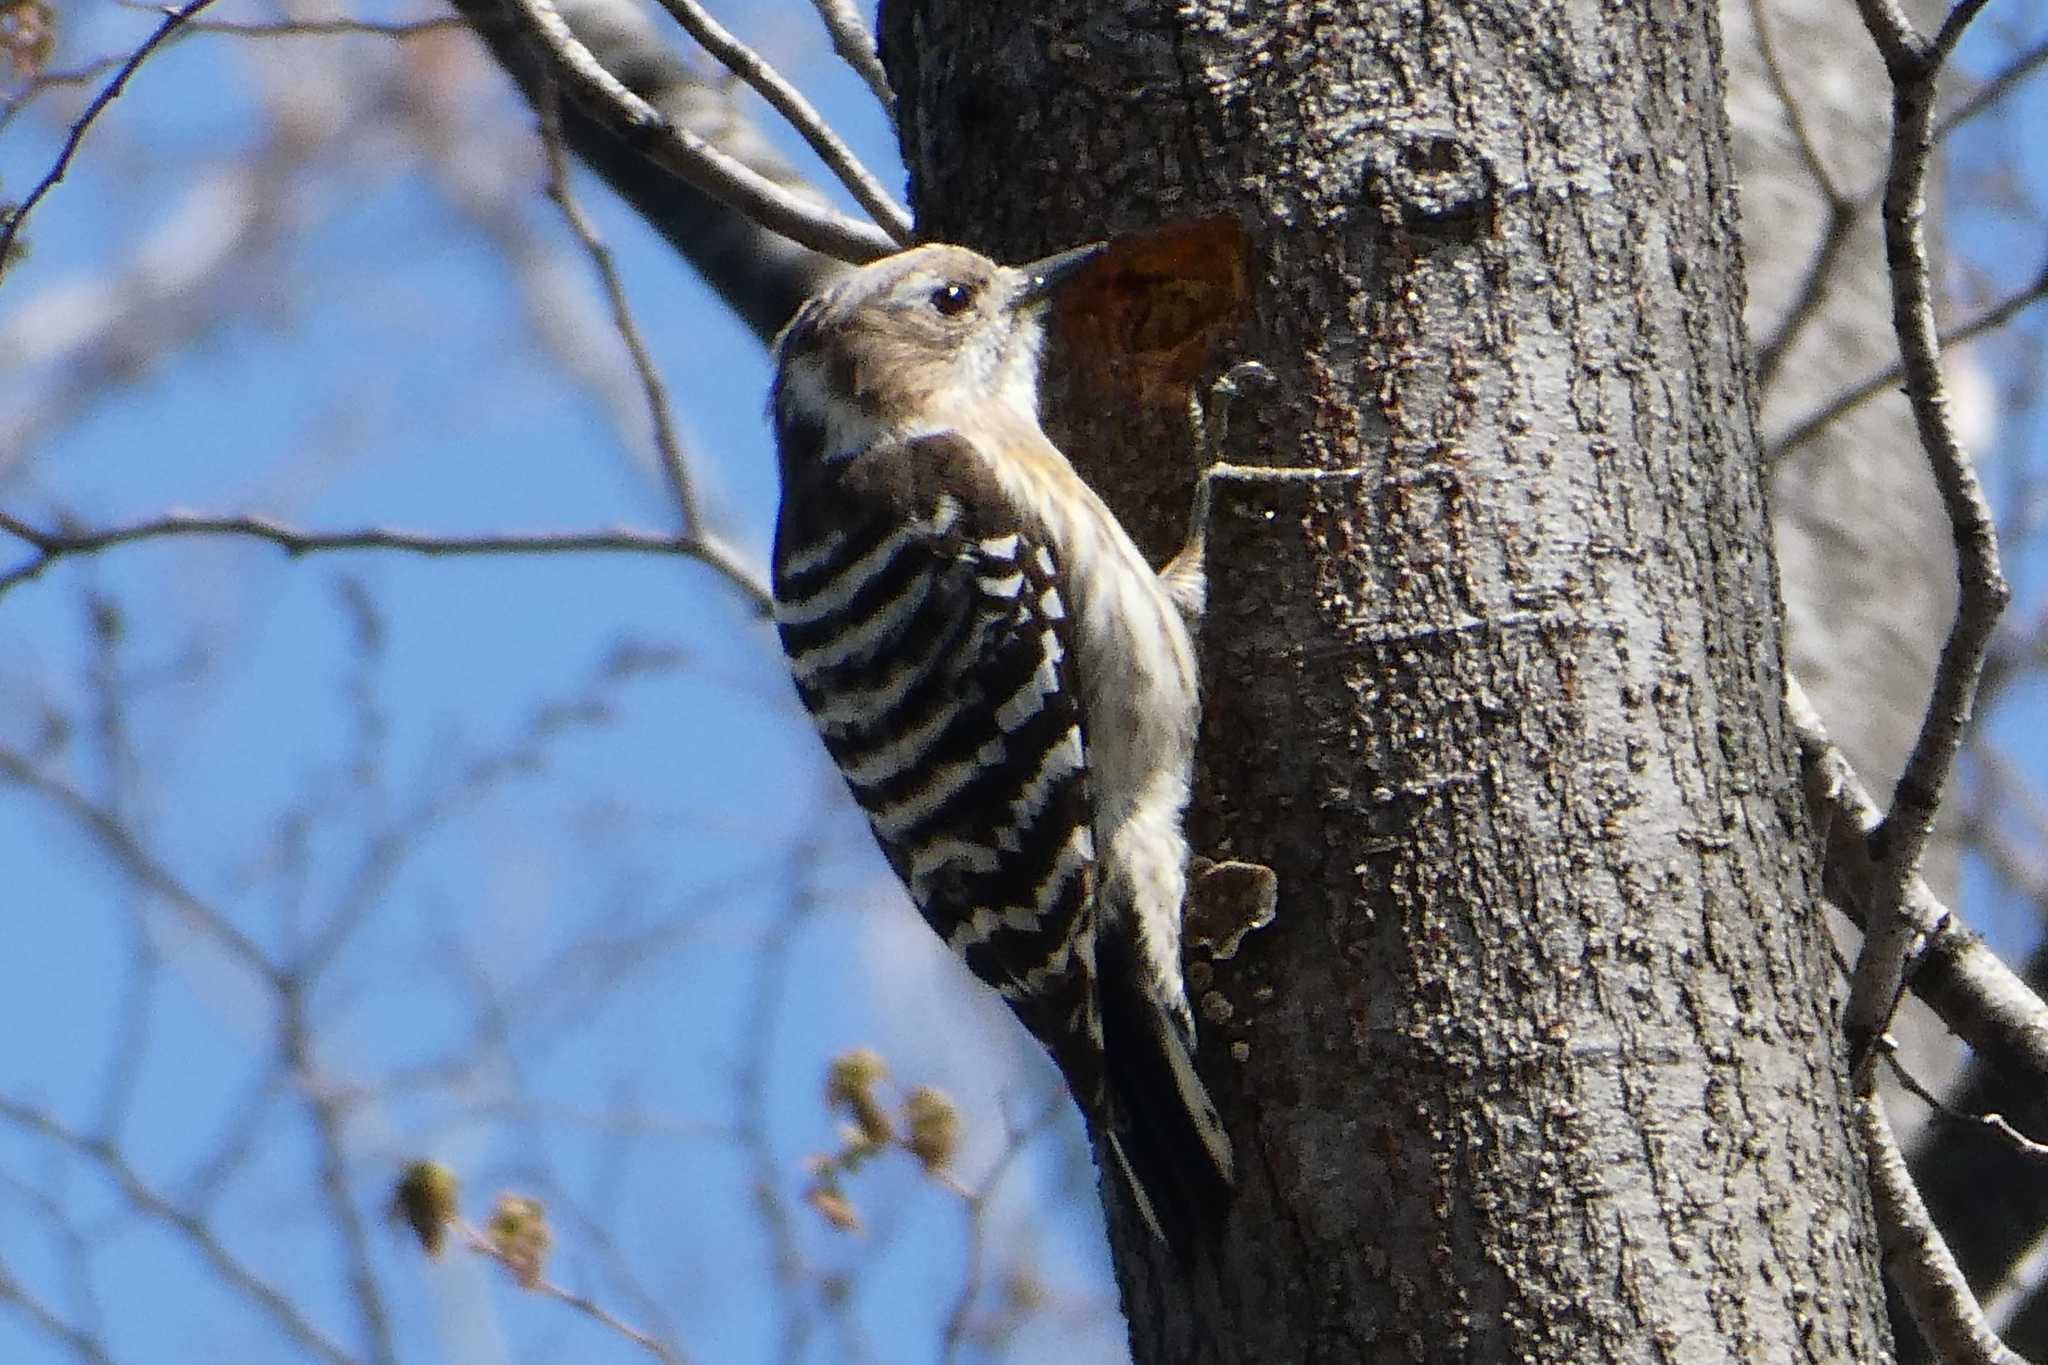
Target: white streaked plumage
[(1019, 718)]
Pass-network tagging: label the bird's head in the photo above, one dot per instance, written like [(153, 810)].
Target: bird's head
[(915, 342)]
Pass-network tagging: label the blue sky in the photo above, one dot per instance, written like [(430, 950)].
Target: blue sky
[(586, 930), (375, 362)]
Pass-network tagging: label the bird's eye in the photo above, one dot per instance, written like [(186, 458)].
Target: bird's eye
[(952, 299)]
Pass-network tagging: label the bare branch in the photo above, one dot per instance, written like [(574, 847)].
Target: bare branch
[(1951, 32), (666, 443), (1795, 115), (195, 1232), (1993, 90), (1813, 292), (1841, 209), (1997, 1124), (2019, 1286), (762, 275), (1982, 592), (81, 1344), (1915, 1256), (329, 1119), (1990, 320), (675, 148), (140, 865), (11, 220), (482, 1245), (787, 101), (1986, 1004), (959, 1321), (51, 546), (856, 46), (322, 28), (1843, 213), (11, 107)]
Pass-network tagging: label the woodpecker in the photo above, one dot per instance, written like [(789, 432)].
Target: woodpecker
[(1006, 684)]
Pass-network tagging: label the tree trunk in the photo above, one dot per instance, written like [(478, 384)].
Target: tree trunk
[(1539, 1061)]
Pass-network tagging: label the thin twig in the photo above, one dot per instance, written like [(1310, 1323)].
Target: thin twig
[(667, 444), (1843, 214), (973, 1276), (1813, 288), (51, 546), (140, 865), (11, 220), (12, 106), (476, 1241), (328, 1115), (1982, 591), (1990, 320), (2018, 1286), (1813, 292), (1967, 985), (642, 127), (81, 1344), (856, 47), (1959, 18), (1916, 1257), (287, 28), (1998, 1124), (1993, 90), (196, 1234), (787, 101), (319, 28), (1795, 116), (766, 1009)]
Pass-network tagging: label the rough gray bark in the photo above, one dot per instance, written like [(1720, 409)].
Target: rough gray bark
[(1539, 1061)]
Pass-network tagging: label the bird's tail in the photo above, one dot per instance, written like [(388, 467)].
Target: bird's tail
[(1160, 1127)]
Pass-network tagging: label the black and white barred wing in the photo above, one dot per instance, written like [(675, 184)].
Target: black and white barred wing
[(932, 650)]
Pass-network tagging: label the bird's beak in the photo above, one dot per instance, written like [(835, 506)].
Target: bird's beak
[(1042, 277)]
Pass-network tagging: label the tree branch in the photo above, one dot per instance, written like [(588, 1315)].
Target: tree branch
[(51, 546), (856, 46), (667, 444), (11, 220), (1915, 1256), (762, 275), (1986, 1004), (1990, 320), (142, 868), (1889, 935), (288, 1319), (787, 101), (1843, 214), (675, 148)]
